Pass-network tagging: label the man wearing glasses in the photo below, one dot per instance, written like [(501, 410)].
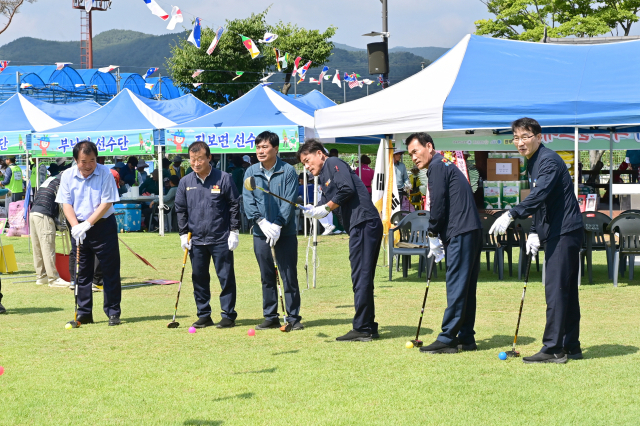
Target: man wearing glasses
[(557, 223)]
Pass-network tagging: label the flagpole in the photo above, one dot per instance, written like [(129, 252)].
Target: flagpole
[(344, 87), (295, 87), (322, 85)]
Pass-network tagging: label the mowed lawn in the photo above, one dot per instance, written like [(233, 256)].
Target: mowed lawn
[(142, 373)]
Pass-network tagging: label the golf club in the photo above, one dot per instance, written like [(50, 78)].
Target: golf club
[(287, 325), (513, 352), (306, 259), (174, 323), (250, 185), (416, 342), (75, 323)]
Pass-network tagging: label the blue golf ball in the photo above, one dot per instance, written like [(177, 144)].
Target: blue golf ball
[(502, 355)]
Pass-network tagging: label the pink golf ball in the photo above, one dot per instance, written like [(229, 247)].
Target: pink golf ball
[(1, 370), (251, 332), (192, 330)]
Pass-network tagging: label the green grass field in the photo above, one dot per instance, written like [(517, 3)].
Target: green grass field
[(142, 373)]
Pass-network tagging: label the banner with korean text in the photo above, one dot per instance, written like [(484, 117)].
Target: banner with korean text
[(129, 142)]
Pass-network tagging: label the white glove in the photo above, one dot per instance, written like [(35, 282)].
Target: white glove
[(436, 249), (233, 240), (315, 212), (407, 187), (533, 244), (276, 234), (268, 229), (185, 243), (79, 232), (500, 226)]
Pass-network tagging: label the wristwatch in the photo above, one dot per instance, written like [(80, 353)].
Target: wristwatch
[(432, 235)]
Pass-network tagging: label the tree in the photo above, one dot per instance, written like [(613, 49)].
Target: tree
[(9, 8), (231, 55), (527, 19)]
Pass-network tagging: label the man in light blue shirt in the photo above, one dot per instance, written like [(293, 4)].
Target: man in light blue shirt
[(87, 193), (402, 177)]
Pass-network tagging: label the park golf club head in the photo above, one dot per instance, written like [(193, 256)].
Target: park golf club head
[(513, 354), (287, 327), (417, 343), (74, 324), (250, 183), (173, 324)]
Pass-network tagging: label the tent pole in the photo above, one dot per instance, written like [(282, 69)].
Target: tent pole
[(160, 194), (360, 160), (295, 87), (610, 173), (575, 162), (305, 182), (315, 231), (344, 88), (322, 85)]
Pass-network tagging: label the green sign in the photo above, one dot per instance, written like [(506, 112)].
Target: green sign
[(130, 142)]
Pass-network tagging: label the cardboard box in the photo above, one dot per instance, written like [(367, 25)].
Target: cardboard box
[(503, 169), (524, 193)]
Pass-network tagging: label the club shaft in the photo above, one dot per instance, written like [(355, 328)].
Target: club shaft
[(75, 287), (426, 293), (275, 265), (524, 292), (184, 262), (278, 197)]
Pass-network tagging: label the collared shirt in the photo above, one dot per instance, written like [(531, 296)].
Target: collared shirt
[(202, 180), (7, 176), (268, 172), (402, 177), (86, 194)]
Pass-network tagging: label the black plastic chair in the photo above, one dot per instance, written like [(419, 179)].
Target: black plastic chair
[(521, 227), (628, 228), (491, 244), (595, 224), (413, 230)]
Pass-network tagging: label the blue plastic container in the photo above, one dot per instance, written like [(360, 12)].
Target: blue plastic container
[(130, 217)]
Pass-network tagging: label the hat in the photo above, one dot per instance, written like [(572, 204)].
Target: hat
[(60, 161), (143, 164), (119, 165), (399, 151), (246, 158), (177, 159)]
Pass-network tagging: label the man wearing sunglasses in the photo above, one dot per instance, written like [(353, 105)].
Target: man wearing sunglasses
[(558, 224)]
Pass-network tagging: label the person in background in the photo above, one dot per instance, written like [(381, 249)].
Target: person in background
[(38, 174), (166, 165), (168, 200), (402, 177), (13, 179), (334, 152), (246, 161), (366, 175), (150, 185), (634, 159), (309, 199), (237, 173), (176, 168), (128, 173), (142, 173)]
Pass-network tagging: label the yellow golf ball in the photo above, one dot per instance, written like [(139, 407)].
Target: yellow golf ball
[(409, 345), (68, 326)]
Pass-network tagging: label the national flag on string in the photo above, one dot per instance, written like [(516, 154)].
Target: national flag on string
[(264, 79), (327, 77), (295, 66), (109, 68), (238, 75), (60, 65), (313, 80), (3, 65), (251, 46), (88, 4), (268, 38), (196, 73), (197, 84), (79, 84), (156, 9), (325, 70), (348, 77), (149, 72), (303, 71), (285, 60), (148, 86), (336, 79), (367, 81), (277, 53), (381, 81), (215, 41), (194, 37), (354, 81), (25, 85), (176, 17)]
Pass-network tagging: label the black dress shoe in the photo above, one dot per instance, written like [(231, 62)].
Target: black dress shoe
[(226, 323), (203, 322), (267, 324), (469, 347), (114, 320), (298, 326), (543, 358), (85, 319), (574, 353), (355, 336), (439, 347), (2, 309)]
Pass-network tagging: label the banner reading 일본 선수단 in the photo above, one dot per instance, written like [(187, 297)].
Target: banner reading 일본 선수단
[(129, 142), (13, 143), (229, 140)]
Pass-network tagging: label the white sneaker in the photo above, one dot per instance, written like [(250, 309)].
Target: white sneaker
[(42, 281), (59, 282), (328, 230)]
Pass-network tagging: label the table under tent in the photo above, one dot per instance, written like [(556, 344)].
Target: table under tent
[(122, 127)]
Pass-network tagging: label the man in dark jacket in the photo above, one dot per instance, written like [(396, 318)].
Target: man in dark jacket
[(344, 193), (454, 220), (206, 205), (557, 223), (275, 227)]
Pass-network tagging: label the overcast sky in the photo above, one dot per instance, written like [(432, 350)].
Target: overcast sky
[(412, 23)]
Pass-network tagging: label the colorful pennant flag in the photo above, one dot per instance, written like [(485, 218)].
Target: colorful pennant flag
[(194, 37), (79, 84), (380, 81), (148, 86), (277, 53), (325, 69), (149, 72), (295, 66), (348, 77), (303, 71), (238, 75), (197, 84), (336, 79), (268, 38), (3, 65), (313, 80), (285, 60), (156, 9), (251, 46), (367, 81), (109, 68), (60, 65), (176, 17), (215, 41), (196, 73), (25, 85), (88, 4), (354, 81), (327, 77)]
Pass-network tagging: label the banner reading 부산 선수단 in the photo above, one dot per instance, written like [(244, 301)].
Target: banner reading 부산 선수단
[(13, 143), (129, 142), (229, 139)]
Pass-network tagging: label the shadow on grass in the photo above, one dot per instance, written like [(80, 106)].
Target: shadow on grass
[(330, 321), (246, 395), (394, 331), (606, 351), (265, 370), (286, 352), (195, 422), (344, 306), (166, 318), (502, 341), (322, 335), (248, 322), (35, 310)]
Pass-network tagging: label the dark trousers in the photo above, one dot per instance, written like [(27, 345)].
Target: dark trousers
[(562, 261), (463, 266), (634, 175), (0, 290), (101, 242), (97, 270), (223, 262), (287, 257), (364, 247)]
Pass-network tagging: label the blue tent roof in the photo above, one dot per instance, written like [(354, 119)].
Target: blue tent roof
[(135, 83), (105, 81), (316, 100), (22, 113), (167, 89)]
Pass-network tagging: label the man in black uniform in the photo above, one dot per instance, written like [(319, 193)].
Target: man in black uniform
[(344, 192), (557, 223), (454, 219), (207, 206)]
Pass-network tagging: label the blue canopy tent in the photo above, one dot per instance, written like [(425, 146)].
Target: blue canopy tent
[(136, 84), (105, 82), (8, 86), (163, 90)]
